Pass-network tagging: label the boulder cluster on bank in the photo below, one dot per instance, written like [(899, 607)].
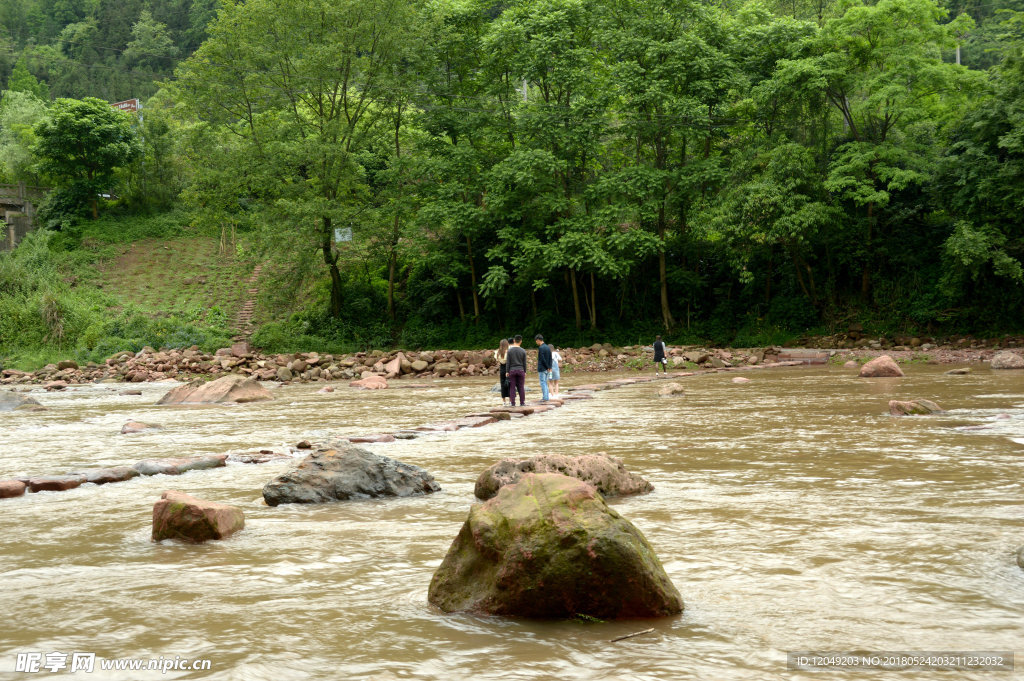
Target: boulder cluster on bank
[(187, 364)]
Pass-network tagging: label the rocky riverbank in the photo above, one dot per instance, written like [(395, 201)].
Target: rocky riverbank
[(186, 364)]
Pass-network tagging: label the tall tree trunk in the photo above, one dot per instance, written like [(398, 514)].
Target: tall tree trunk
[(392, 265), (331, 260), (472, 279), (666, 311), (865, 277), (462, 308), (576, 299), (593, 303)]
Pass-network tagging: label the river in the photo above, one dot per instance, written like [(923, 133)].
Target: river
[(792, 513)]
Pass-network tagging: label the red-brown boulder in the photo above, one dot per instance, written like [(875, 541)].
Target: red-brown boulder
[(180, 516), (881, 367)]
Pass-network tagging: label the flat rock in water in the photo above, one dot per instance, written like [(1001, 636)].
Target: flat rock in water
[(262, 456), (914, 408), (347, 472), (11, 488), (10, 401), (551, 547), (55, 483), (961, 371), (227, 389), (102, 476), (1007, 360), (179, 466), (370, 383), (180, 516), (378, 437), (881, 367), (605, 473)]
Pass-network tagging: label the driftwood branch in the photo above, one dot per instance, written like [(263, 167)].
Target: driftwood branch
[(637, 633)]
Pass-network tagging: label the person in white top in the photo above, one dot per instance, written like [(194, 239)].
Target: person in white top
[(556, 373)]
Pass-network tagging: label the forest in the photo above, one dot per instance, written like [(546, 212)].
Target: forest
[(444, 171)]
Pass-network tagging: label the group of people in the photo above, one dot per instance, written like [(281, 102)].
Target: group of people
[(512, 369), (512, 362)]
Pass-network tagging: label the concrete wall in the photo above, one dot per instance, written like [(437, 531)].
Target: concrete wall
[(18, 225)]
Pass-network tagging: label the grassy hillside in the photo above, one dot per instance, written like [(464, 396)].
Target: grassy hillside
[(119, 283), (185, 276)]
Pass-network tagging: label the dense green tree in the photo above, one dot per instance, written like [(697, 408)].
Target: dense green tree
[(21, 80), (304, 84), (19, 114), (82, 143)]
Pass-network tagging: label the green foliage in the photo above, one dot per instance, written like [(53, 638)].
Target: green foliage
[(81, 143), (46, 316)]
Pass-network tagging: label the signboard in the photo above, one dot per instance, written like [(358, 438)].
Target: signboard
[(342, 234), (129, 105)]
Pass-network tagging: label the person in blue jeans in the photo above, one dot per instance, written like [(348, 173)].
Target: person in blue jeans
[(543, 365)]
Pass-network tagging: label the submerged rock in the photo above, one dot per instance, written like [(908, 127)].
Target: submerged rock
[(227, 389), (179, 466), (1007, 360), (11, 488), (606, 473), (1020, 557), (347, 472), (180, 516), (961, 371), (10, 401), (135, 427), (262, 456), (881, 367), (914, 408), (551, 547), (671, 390)]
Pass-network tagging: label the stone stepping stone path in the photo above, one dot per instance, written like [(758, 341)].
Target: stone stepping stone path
[(18, 486)]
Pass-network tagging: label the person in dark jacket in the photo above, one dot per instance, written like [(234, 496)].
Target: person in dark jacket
[(659, 356), (543, 365), (515, 362)]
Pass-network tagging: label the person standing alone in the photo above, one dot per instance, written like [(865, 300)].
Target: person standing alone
[(659, 356), (543, 365), (515, 361)]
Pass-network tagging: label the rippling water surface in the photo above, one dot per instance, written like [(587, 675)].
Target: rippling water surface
[(791, 512)]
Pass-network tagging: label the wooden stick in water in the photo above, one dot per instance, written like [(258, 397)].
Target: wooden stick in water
[(638, 633)]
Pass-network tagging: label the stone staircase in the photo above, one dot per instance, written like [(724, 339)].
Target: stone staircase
[(243, 322)]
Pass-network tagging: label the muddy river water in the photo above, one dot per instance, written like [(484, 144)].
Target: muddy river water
[(791, 512)]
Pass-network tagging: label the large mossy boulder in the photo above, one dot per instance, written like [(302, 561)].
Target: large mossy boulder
[(227, 389), (344, 471), (606, 473), (550, 547), (181, 516)]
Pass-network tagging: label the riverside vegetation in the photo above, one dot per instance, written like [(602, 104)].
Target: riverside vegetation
[(745, 174)]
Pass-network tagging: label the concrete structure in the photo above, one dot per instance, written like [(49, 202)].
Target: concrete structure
[(17, 208)]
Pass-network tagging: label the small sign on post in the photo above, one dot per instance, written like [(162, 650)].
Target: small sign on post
[(342, 234)]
